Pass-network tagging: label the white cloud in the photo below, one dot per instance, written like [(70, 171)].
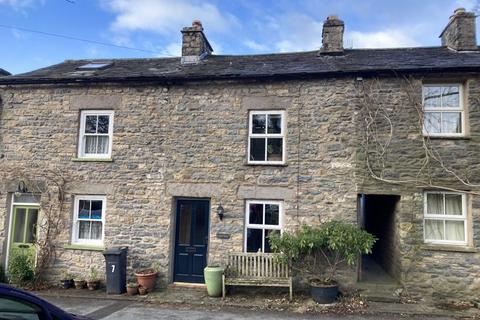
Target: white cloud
[(167, 17), (173, 49), (391, 38), (254, 45)]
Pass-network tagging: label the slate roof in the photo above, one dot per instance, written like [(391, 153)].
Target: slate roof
[(301, 64), (4, 72)]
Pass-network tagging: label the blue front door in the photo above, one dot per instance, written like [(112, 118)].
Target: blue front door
[(191, 240)]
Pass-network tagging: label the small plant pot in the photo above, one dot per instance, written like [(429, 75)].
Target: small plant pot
[(147, 279), (67, 284), (142, 291), (93, 285), (131, 291), (324, 294), (79, 284)]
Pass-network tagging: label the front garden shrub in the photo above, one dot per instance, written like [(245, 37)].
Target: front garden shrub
[(20, 268)]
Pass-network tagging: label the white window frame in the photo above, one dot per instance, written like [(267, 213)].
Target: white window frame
[(445, 217), (263, 226), (461, 109), (266, 135), (76, 220), (82, 134)]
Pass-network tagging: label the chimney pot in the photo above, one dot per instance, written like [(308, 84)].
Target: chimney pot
[(197, 24), (460, 32)]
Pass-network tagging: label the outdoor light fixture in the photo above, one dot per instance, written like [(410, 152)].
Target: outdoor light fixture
[(21, 188), (220, 212)]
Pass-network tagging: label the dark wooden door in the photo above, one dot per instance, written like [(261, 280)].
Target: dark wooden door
[(191, 240)]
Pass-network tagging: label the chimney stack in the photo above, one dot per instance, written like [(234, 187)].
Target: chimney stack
[(195, 45), (459, 34), (332, 36)]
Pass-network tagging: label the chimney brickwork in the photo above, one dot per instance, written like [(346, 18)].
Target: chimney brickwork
[(460, 32), (332, 36), (195, 45)]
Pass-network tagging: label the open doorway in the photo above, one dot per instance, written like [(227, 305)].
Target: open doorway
[(376, 215)]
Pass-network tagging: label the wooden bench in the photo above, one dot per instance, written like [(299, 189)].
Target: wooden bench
[(256, 269)]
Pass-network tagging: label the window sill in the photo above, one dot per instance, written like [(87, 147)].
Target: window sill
[(449, 248), (84, 247), (92, 159), (448, 137), (266, 164)]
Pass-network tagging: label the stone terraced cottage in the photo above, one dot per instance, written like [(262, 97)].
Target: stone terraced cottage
[(152, 150)]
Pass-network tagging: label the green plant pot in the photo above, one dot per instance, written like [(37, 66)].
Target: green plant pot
[(213, 280)]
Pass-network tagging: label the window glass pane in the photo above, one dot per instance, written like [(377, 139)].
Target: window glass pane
[(102, 145), (84, 209), (272, 212), (432, 122), (455, 230), (96, 212), (431, 97), (435, 203), (451, 122), (257, 149), (26, 198), (255, 215), (11, 308), (450, 97), (274, 149), (185, 224), (258, 123), (32, 225), (199, 233), (90, 144), (103, 124), (434, 230), (19, 228), (254, 240), (453, 204), (274, 123), (96, 233), (90, 124), (84, 230), (267, 243)]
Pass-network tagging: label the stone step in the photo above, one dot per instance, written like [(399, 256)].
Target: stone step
[(379, 292)]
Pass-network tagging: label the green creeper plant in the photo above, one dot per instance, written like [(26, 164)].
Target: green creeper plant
[(319, 251)]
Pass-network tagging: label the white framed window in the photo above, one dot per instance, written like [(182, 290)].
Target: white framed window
[(262, 218), (96, 132), (445, 218), (266, 137), (89, 220), (444, 112)]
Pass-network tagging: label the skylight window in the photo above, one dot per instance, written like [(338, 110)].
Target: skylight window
[(94, 66)]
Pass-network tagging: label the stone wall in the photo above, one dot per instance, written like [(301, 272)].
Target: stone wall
[(190, 140)]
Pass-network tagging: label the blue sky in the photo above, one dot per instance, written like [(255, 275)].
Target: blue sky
[(233, 27)]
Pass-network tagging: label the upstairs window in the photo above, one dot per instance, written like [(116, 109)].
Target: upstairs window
[(445, 218), (96, 132), (443, 110), (266, 138)]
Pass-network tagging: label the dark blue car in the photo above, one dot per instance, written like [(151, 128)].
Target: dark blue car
[(17, 304)]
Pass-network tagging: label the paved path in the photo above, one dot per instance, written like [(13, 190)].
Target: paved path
[(125, 310)]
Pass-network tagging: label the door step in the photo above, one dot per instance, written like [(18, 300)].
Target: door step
[(379, 292), (187, 285)]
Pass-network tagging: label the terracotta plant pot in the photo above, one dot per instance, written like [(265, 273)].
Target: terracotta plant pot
[(131, 291), (79, 284), (142, 291), (147, 279), (93, 285)]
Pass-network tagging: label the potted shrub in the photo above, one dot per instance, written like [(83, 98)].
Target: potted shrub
[(67, 280), (132, 288), (147, 278), (93, 282), (318, 252), (79, 282)]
